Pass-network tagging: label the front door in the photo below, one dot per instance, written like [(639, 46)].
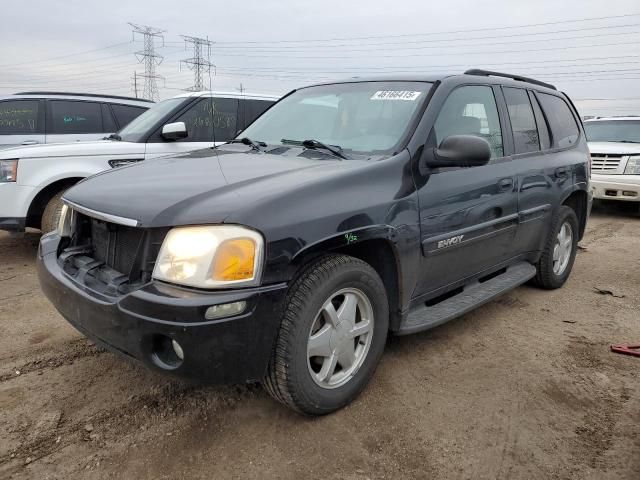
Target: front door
[(468, 216), (74, 121)]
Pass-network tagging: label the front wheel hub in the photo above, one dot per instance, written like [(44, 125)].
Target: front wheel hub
[(340, 338)]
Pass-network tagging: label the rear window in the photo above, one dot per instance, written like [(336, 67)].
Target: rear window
[(564, 130), (74, 117), (19, 117), (523, 122), (125, 113)]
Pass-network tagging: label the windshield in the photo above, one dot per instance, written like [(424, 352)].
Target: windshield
[(364, 117), (139, 127), (613, 131)]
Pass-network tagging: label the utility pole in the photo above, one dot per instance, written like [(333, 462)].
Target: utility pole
[(135, 83), (200, 62), (149, 58), (241, 89)]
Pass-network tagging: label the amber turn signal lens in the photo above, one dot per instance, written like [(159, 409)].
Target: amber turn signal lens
[(234, 260)]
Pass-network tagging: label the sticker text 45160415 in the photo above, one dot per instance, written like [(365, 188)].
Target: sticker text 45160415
[(403, 95)]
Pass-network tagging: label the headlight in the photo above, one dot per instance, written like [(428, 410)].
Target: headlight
[(211, 257), (633, 166), (8, 170)]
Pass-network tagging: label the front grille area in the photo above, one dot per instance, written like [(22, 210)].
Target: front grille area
[(605, 163), (115, 245), (108, 257)]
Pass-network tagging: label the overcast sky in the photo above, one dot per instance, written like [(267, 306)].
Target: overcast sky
[(272, 47)]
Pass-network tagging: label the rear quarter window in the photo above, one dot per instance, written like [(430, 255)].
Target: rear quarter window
[(69, 117), (19, 117), (563, 126)]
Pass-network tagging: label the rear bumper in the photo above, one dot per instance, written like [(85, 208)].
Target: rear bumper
[(616, 187), (230, 350)]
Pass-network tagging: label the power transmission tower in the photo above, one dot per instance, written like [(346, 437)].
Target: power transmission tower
[(200, 62), (149, 58)]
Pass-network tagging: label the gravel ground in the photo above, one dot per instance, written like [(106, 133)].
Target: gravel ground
[(524, 387)]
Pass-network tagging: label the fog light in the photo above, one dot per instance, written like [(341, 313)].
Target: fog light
[(225, 310), (177, 349), (629, 193)]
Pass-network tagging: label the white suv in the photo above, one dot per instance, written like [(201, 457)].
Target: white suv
[(30, 118), (614, 143), (33, 178)]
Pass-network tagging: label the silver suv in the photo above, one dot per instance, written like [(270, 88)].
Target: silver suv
[(29, 118), (614, 143)]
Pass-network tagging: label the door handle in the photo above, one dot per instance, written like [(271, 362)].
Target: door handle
[(30, 142), (505, 184)]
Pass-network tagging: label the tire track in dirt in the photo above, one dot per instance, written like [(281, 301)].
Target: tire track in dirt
[(162, 404), (72, 351)]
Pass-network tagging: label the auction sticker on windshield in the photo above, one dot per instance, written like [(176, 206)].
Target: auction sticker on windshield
[(395, 95)]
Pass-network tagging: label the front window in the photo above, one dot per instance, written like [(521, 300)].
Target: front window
[(363, 118), (627, 131), (139, 127)]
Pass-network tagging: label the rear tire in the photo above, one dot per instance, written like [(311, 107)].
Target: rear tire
[(51, 214), (317, 368), (559, 253)]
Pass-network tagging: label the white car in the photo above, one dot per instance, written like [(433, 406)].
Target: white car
[(33, 178), (614, 143), (31, 118)]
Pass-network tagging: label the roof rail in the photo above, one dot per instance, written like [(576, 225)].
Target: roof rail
[(487, 73), (85, 95)]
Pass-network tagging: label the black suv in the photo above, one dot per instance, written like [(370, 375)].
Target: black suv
[(346, 212)]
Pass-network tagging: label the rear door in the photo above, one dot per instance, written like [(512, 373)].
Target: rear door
[(209, 121), (21, 122), (468, 216), (545, 159), (74, 121)]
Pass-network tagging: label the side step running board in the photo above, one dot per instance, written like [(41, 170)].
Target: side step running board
[(473, 295)]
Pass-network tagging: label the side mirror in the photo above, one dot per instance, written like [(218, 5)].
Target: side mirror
[(174, 131), (458, 151)]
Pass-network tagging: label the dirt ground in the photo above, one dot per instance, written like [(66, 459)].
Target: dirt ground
[(524, 387)]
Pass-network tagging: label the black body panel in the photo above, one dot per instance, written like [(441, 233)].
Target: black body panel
[(444, 227)]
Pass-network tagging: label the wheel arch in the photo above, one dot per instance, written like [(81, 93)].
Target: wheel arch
[(578, 201), (40, 200), (373, 245)]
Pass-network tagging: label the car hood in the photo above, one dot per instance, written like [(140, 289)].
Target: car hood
[(49, 150), (614, 147), (201, 187)]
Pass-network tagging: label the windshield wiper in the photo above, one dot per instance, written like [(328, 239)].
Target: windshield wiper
[(625, 141), (113, 136), (316, 145), (247, 141)]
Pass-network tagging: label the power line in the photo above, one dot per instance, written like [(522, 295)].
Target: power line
[(448, 40), (149, 58), (486, 52), (530, 25), (64, 56), (198, 63)]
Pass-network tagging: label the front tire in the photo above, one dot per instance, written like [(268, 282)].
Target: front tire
[(559, 253), (51, 214), (332, 335)]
